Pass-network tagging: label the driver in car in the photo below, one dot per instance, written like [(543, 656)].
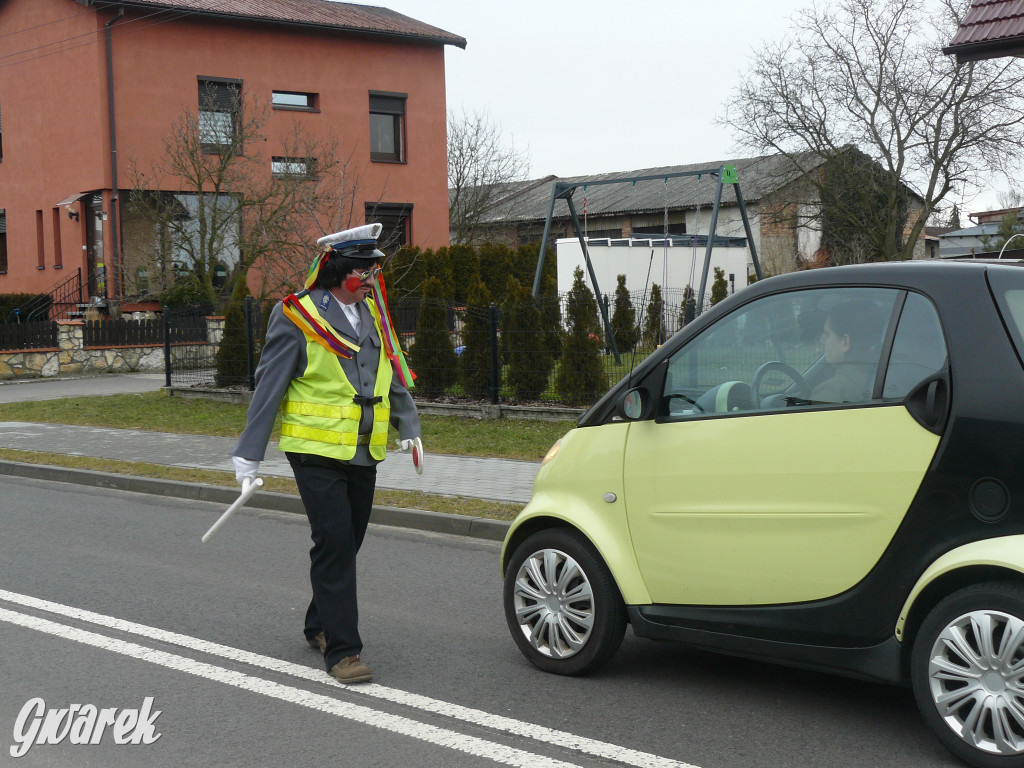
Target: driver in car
[(850, 339)]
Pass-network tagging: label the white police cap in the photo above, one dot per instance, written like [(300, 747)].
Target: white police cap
[(355, 243)]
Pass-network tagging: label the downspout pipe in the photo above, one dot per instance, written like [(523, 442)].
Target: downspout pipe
[(115, 198)]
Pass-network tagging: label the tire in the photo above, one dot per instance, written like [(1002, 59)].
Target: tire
[(562, 605), (967, 670)]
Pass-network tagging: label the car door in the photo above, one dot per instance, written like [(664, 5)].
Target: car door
[(763, 481)]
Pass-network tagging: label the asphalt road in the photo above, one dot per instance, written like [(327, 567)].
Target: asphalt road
[(108, 598)]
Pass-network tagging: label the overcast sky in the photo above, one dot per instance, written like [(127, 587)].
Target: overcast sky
[(598, 86)]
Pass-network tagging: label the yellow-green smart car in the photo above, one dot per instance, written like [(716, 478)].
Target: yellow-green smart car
[(825, 470)]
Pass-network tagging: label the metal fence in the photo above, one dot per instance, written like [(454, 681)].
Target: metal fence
[(202, 348), (538, 352)]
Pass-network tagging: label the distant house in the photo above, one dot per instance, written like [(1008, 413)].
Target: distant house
[(369, 76), (780, 203), (977, 240)]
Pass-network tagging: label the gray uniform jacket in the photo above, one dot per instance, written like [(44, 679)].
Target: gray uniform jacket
[(284, 359)]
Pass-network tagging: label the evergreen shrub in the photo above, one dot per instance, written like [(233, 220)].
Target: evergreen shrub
[(529, 360), (581, 377), (432, 356), (474, 364), (623, 320)]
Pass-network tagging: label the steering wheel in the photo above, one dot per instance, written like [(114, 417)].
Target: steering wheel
[(803, 388)]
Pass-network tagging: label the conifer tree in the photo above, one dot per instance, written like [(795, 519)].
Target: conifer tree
[(581, 377), (433, 357), (496, 267), (474, 364), (465, 270), (529, 360), (719, 288), (653, 334), (689, 305), (232, 362), (438, 264), (624, 319), (550, 305)]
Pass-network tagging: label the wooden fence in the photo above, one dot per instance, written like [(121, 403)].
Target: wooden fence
[(123, 333), (38, 335)]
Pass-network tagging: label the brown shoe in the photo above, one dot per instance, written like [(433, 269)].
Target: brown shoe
[(351, 670), (317, 642)]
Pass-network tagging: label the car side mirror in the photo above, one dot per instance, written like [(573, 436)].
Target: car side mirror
[(635, 404)]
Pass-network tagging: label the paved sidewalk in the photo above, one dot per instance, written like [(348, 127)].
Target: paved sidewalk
[(26, 390), (496, 479)]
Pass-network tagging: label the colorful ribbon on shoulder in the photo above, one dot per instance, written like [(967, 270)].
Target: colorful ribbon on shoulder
[(388, 336), (316, 330)]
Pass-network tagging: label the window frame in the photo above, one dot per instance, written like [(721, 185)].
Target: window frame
[(390, 105), (312, 101), (3, 241), (209, 94), (394, 217), (660, 380), (309, 164)]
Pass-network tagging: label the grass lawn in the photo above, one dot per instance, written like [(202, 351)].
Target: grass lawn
[(512, 439), (153, 411)]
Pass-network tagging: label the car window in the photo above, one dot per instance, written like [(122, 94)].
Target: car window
[(802, 349), (1008, 287), (918, 350)]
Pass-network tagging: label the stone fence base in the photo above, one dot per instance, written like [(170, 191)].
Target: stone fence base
[(71, 357)]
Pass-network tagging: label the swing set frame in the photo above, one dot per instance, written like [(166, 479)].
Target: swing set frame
[(564, 190)]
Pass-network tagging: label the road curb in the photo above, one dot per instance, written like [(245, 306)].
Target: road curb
[(417, 519)]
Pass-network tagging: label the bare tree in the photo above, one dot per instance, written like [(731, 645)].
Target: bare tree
[(213, 207), (867, 79), (1011, 198), (481, 169)]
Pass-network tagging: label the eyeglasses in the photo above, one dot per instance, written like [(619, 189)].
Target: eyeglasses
[(369, 274)]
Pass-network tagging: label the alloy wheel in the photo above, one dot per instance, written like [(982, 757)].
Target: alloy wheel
[(976, 680), (554, 603)]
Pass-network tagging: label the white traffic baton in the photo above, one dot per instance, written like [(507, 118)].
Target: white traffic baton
[(249, 487)]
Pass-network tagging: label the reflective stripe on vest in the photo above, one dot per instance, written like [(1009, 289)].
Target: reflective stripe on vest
[(318, 414)]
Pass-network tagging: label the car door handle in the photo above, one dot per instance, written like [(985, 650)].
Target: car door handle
[(929, 402)]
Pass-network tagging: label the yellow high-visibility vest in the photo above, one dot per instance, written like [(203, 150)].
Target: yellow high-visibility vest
[(318, 414)]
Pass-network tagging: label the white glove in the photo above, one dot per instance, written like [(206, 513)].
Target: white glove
[(416, 447), (245, 468)]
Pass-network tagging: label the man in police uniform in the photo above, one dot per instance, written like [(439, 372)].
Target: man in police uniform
[(326, 367)]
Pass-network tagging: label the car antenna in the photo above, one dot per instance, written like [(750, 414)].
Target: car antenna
[(640, 321)]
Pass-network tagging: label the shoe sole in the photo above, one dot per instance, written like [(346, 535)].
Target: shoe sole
[(360, 679)]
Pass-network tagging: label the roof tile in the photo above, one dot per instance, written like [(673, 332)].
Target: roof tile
[(990, 21), (347, 17)]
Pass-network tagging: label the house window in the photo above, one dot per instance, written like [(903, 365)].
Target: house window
[(40, 253), (310, 102), (658, 230), (58, 259), (3, 241), (396, 219), (219, 101), (387, 127), (292, 167)]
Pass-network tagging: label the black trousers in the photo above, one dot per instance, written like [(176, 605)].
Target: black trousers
[(338, 498)]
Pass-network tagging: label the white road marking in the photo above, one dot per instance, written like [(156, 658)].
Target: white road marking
[(541, 733), (365, 715)]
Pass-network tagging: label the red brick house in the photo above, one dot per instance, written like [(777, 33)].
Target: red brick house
[(87, 86)]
